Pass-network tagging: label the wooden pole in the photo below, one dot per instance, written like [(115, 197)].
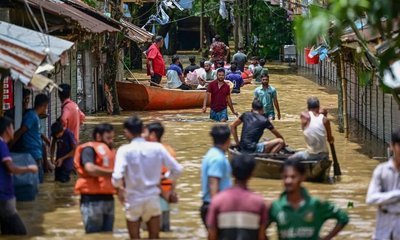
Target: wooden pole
[(344, 96), (340, 94), (202, 27)]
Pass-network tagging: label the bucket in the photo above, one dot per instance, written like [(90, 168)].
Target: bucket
[(311, 60), (26, 184)]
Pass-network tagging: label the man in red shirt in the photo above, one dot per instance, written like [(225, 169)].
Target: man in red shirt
[(218, 50), (155, 61), (71, 117), (220, 98)]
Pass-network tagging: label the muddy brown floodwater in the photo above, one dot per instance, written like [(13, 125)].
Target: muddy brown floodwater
[(55, 214)]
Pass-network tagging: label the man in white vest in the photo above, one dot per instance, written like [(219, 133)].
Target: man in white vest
[(317, 131)]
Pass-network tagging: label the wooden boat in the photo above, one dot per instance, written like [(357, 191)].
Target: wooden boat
[(268, 165), (133, 96)]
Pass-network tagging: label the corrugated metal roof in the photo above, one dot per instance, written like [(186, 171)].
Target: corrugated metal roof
[(136, 33), (20, 61), (367, 33), (57, 7), (22, 50), (132, 31)]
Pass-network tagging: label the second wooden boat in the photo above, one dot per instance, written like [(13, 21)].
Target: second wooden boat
[(269, 166), (136, 97)]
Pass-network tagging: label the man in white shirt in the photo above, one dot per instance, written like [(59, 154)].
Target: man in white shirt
[(384, 191), (137, 175), (207, 76), (316, 130)]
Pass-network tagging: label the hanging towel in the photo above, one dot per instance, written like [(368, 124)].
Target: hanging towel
[(222, 9), (186, 4), (166, 41), (323, 53), (153, 29), (127, 13), (164, 17)]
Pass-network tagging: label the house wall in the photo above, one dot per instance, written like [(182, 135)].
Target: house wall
[(368, 105)]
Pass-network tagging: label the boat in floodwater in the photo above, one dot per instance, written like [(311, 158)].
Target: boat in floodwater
[(139, 97), (268, 165)]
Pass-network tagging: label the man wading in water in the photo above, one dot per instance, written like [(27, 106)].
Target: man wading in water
[(137, 173), (220, 98), (298, 215), (215, 168), (94, 162), (266, 94), (384, 191)]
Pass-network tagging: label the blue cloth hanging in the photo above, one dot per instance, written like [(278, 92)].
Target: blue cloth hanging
[(127, 13), (166, 41), (186, 4), (323, 53), (153, 29), (222, 10)]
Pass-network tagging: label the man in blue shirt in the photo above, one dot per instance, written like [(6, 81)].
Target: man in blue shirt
[(236, 78), (10, 222), (175, 78), (215, 168), (30, 132), (266, 94)]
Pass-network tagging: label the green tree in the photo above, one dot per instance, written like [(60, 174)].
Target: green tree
[(271, 26), (221, 26), (91, 3)]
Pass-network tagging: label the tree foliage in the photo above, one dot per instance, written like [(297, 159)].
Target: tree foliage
[(271, 26), (220, 26), (91, 3)]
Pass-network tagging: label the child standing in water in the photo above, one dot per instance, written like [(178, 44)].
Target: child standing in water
[(66, 144)]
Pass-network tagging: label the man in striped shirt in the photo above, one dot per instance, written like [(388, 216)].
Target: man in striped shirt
[(238, 213), (384, 191)]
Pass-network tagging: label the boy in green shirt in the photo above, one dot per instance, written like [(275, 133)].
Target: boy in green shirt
[(298, 215)]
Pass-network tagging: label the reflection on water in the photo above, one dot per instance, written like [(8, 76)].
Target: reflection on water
[(55, 214)]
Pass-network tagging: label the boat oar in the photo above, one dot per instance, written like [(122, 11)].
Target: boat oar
[(336, 167)]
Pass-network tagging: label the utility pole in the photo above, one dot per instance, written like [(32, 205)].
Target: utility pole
[(201, 27)]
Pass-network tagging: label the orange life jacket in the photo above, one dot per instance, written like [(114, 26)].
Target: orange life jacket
[(105, 158), (166, 183)]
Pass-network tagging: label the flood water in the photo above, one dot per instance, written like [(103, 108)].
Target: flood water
[(55, 214)]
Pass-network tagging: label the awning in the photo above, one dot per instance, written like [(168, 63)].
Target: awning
[(89, 19), (367, 33), (136, 33), (23, 50), (131, 31), (59, 8)]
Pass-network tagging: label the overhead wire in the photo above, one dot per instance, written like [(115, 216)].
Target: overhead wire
[(138, 17), (183, 18)]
